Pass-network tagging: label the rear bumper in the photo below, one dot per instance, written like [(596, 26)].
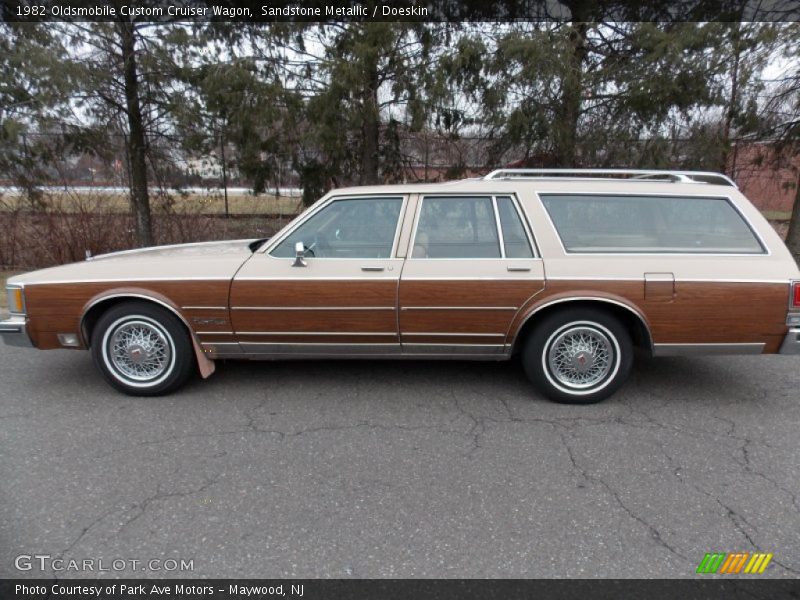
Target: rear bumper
[(791, 343), (14, 332)]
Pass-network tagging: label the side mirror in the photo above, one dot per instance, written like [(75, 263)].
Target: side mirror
[(299, 255)]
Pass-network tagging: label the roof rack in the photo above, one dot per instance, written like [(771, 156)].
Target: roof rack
[(624, 174)]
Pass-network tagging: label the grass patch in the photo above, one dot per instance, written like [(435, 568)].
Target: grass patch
[(115, 203), (776, 215)]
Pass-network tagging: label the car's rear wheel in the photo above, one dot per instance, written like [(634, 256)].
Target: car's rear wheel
[(578, 355), (142, 349)]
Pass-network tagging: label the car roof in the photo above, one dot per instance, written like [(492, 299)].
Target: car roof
[(544, 184)]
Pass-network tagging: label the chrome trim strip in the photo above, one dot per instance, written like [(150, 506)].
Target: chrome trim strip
[(204, 308), (677, 279), (312, 308), (215, 333), (304, 278), (455, 350), (529, 279), (125, 280), (338, 333), (458, 308), (496, 259), (282, 350), (706, 349), (374, 344), (791, 343), (320, 350), (500, 239), (416, 334)]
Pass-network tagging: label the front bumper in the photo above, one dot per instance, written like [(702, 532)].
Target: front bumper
[(791, 343), (14, 332)]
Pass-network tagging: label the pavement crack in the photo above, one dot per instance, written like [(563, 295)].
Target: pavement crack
[(655, 534), (747, 465), (85, 530), (141, 507)]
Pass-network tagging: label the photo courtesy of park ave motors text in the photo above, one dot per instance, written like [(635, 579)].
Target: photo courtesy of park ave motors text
[(305, 305)]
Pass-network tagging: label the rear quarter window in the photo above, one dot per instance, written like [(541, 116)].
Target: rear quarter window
[(655, 224)]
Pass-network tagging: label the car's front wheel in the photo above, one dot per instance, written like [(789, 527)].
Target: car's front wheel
[(578, 355), (142, 349)]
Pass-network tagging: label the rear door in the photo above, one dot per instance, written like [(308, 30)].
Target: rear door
[(471, 266)]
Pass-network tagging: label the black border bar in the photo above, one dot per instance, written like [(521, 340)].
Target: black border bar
[(399, 589), (270, 11)]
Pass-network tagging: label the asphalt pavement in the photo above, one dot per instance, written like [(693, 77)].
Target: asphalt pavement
[(396, 469)]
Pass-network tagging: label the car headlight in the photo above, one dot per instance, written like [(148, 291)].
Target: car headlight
[(16, 300)]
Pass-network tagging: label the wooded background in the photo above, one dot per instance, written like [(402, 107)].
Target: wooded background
[(316, 105)]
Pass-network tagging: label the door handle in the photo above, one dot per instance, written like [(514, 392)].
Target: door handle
[(521, 269), (373, 268)]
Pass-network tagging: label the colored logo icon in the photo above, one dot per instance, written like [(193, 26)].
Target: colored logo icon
[(734, 563)]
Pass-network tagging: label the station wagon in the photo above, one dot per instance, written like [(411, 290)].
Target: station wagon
[(569, 270)]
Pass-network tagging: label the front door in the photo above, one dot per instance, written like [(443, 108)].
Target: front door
[(340, 300), (471, 268)]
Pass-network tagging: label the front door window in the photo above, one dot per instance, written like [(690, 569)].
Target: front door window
[(348, 228)]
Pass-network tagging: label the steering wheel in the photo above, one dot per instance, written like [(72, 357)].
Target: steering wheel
[(318, 244)]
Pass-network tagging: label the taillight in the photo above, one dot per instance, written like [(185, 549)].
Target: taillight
[(796, 294)]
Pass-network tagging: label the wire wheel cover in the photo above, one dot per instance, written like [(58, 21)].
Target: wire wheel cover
[(140, 350), (580, 357)]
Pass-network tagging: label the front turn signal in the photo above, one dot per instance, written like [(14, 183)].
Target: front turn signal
[(16, 300)]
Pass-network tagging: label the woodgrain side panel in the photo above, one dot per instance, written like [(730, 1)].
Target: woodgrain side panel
[(478, 292), (700, 312), (338, 338), (315, 306), (69, 298), (720, 313), (480, 306), (456, 321), (57, 308), (314, 293), (362, 320)]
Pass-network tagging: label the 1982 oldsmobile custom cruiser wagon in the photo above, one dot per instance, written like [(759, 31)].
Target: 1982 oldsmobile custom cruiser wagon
[(569, 269)]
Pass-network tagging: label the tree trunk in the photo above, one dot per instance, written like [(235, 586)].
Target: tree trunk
[(568, 111), (137, 147), (793, 236), (370, 128), (224, 172), (730, 114)]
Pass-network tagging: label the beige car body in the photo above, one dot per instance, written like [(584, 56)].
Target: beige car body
[(241, 304)]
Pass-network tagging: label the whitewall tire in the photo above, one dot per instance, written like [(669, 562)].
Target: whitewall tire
[(578, 355), (142, 349)]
